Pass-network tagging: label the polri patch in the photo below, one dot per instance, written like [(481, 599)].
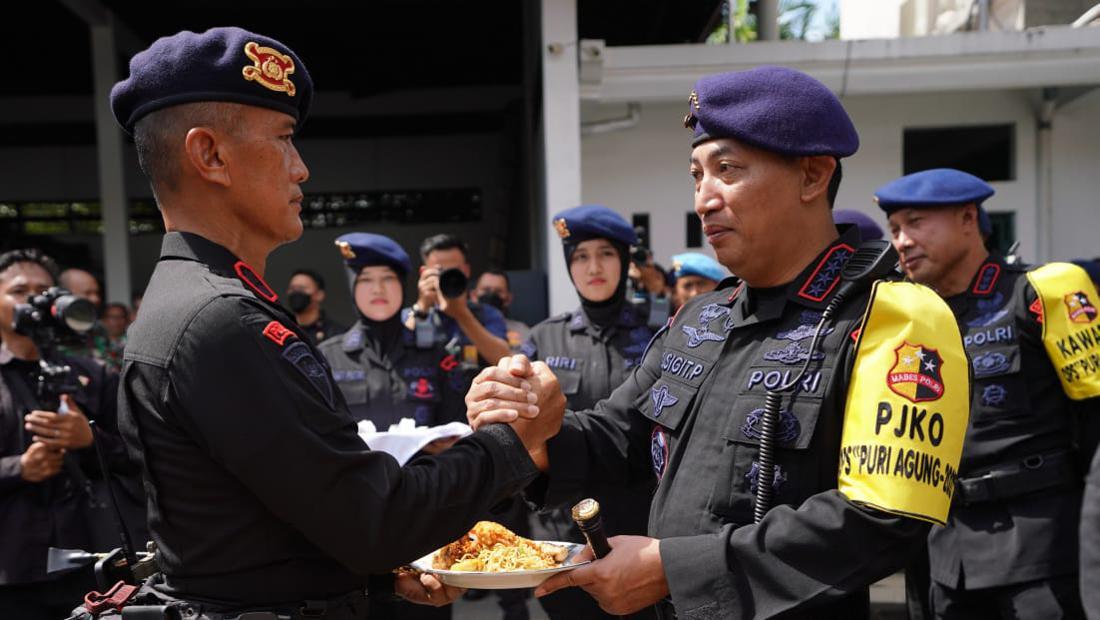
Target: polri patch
[(301, 357)]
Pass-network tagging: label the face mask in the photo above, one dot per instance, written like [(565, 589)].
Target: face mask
[(298, 301), (491, 299)]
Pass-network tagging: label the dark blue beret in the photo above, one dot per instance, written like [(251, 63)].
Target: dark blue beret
[(936, 188), (368, 249), (221, 64), (695, 264), (593, 222), (774, 108), (868, 229), (929, 188)]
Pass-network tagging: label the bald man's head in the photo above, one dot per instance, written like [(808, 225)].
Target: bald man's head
[(82, 284)]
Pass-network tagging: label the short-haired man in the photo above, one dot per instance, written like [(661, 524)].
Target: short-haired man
[(494, 288), (774, 413), (46, 458), (263, 497), (694, 274), (475, 330), (305, 297), (1009, 548)]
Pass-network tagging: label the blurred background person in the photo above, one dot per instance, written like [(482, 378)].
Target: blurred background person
[(868, 229), (49, 475), (377, 364), (305, 296), (469, 330), (82, 284), (592, 350), (494, 289), (115, 320), (693, 274), (93, 344)]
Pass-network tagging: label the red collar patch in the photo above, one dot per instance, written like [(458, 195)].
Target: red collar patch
[(278, 333), (987, 279), (1036, 308), (249, 276)]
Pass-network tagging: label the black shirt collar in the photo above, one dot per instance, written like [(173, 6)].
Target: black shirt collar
[(189, 246)]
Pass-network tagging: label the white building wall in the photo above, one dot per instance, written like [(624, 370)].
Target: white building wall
[(644, 169), (1076, 187)]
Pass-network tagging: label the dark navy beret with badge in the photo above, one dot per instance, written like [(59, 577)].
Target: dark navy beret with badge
[(593, 222), (696, 264), (221, 64), (773, 108), (936, 188), (363, 249)]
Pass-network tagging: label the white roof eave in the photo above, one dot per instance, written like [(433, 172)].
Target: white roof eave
[(1035, 58)]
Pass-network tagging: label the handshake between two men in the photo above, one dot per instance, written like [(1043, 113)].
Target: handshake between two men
[(527, 396)]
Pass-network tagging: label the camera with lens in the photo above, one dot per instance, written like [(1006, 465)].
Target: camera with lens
[(640, 252), (453, 283), (50, 319)]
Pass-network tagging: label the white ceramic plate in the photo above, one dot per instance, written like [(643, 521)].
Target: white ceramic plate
[(501, 581)]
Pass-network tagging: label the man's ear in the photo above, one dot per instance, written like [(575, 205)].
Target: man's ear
[(204, 148), (817, 171)]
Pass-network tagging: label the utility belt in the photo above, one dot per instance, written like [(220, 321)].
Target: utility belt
[(148, 603), (1034, 473)]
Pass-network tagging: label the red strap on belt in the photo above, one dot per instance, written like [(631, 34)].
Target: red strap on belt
[(114, 598)]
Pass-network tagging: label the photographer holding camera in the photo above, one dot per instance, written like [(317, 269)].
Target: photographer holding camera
[(46, 455), (473, 330)]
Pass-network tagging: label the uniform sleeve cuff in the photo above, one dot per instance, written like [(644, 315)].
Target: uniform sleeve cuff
[(697, 574), (510, 450)]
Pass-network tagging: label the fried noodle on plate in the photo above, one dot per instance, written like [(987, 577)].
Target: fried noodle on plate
[(492, 548)]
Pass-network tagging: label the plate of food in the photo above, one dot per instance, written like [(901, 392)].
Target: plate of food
[(490, 557)]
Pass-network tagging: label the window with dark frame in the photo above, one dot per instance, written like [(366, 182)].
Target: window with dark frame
[(986, 151)]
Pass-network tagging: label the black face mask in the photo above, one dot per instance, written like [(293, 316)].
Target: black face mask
[(491, 299), (298, 301)]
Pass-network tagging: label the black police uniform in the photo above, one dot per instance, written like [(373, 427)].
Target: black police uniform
[(323, 328), (589, 364), (405, 382), (60, 511), (1013, 523), (693, 408), (261, 493), (1090, 541)]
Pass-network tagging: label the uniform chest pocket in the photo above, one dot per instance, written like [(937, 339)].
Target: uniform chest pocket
[(353, 385), (795, 477), (568, 370)]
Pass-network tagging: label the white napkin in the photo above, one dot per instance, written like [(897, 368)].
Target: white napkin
[(405, 438)]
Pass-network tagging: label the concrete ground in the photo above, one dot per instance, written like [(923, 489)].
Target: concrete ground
[(887, 603)]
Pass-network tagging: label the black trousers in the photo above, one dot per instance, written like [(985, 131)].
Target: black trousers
[(1058, 597)]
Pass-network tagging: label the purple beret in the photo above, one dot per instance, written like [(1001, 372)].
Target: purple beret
[(221, 64), (936, 187), (868, 229), (774, 108)]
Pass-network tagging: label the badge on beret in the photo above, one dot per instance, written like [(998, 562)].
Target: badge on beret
[(271, 70), (693, 102), (345, 250), (562, 228)]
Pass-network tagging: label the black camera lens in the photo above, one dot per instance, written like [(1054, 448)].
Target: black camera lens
[(453, 283), (77, 313)]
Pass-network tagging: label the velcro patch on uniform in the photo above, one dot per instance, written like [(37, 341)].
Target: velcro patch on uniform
[(278, 333), (1071, 326), (301, 357), (908, 405)]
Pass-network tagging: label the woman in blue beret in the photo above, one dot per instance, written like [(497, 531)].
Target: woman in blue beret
[(381, 371), (592, 350)]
